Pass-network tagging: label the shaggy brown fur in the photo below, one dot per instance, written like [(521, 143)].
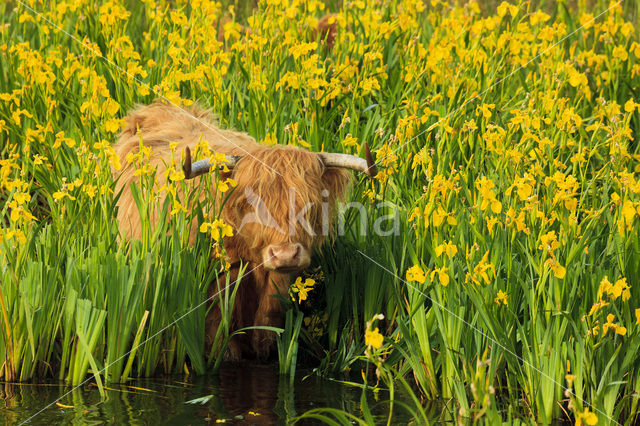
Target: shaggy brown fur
[(268, 172), (327, 31)]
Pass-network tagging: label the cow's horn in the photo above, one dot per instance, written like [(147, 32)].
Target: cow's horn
[(365, 165), (201, 167)]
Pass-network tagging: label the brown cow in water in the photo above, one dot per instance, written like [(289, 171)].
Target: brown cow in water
[(288, 182)]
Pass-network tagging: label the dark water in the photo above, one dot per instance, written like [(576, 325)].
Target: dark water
[(238, 395)]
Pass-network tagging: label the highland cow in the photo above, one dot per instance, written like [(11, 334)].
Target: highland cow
[(278, 210), (327, 30)]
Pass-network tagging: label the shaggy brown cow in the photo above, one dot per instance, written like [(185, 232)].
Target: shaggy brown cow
[(288, 182), (327, 29)]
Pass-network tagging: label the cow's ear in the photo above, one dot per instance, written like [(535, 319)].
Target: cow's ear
[(336, 181)]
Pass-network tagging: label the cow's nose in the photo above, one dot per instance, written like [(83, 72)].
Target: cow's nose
[(286, 257)]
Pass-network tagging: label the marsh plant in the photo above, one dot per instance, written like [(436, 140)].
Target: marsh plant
[(507, 141)]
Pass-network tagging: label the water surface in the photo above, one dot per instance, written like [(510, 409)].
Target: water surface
[(247, 394)]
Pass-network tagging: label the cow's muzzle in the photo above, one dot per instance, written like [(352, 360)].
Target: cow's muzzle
[(286, 258)]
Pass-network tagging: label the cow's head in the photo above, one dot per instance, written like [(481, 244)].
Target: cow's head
[(284, 201)]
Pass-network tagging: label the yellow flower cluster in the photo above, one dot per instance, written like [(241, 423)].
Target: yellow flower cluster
[(501, 297), (586, 417), (481, 271), (448, 248), (302, 288), (549, 244), (217, 229), (612, 291), (610, 325), (415, 273), (372, 337)]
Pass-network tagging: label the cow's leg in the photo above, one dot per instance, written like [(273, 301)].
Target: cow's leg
[(269, 312)]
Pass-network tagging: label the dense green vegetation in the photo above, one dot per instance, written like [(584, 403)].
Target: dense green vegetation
[(507, 141)]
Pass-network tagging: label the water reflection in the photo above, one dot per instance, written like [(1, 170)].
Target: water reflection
[(245, 394)]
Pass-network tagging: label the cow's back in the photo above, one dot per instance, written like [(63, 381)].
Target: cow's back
[(157, 126)]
